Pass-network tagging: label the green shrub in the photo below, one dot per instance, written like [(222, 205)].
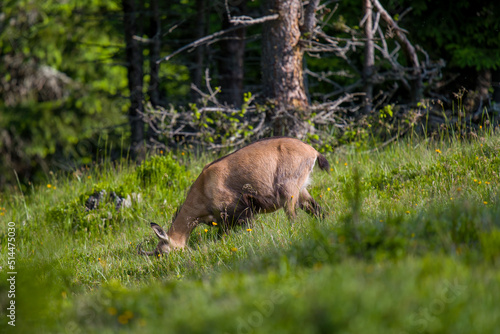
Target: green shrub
[(163, 170)]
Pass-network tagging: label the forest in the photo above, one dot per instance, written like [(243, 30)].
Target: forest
[(110, 111)]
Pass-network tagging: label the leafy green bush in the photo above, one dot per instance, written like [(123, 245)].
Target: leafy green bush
[(162, 170)]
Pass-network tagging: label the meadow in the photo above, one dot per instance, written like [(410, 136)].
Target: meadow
[(410, 244)]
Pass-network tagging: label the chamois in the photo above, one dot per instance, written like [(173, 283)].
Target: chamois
[(262, 177)]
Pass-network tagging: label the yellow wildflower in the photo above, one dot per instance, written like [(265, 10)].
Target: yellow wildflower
[(128, 314), (122, 319)]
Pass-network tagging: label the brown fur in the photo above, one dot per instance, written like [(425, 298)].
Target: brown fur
[(262, 177)]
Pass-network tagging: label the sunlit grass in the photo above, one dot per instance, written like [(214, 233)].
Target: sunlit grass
[(403, 225)]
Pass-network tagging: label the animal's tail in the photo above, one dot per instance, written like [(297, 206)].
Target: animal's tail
[(323, 163)]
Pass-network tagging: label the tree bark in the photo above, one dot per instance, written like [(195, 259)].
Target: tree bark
[(199, 53), (154, 35), (232, 54), (369, 61), (282, 53), (154, 54), (134, 61)]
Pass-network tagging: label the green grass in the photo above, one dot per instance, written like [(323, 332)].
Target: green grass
[(411, 244)]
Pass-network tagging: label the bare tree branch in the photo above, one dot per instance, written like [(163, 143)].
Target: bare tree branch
[(209, 38), (408, 48)]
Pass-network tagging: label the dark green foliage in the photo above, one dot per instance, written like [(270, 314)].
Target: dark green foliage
[(465, 33)]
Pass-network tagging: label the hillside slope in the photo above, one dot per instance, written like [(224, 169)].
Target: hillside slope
[(411, 244)]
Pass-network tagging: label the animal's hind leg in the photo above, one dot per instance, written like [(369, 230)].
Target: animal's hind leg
[(309, 205), (245, 217), (290, 205)]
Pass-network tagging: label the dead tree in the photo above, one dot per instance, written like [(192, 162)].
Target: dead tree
[(369, 61), (379, 28), (282, 63), (408, 49)]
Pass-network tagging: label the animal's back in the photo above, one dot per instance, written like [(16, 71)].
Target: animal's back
[(257, 151), (259, 170)]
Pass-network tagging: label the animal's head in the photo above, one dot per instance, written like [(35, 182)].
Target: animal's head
[(163, 246)]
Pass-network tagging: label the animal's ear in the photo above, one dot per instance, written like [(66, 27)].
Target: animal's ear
[(159, 232)]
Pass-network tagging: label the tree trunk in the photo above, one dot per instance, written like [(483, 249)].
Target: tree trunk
[(154, 35), (199, 53), (282, 72), (134, 61), (369, 61), (154, 53), (231, 60)]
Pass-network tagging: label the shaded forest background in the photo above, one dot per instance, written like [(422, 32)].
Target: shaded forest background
[(86, 80)]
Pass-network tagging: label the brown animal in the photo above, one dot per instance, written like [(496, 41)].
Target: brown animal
[(262, 177)]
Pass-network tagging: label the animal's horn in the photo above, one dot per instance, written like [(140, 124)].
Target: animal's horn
[(140, 251)]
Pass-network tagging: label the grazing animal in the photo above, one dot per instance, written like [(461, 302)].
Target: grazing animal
[(262, 177)]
